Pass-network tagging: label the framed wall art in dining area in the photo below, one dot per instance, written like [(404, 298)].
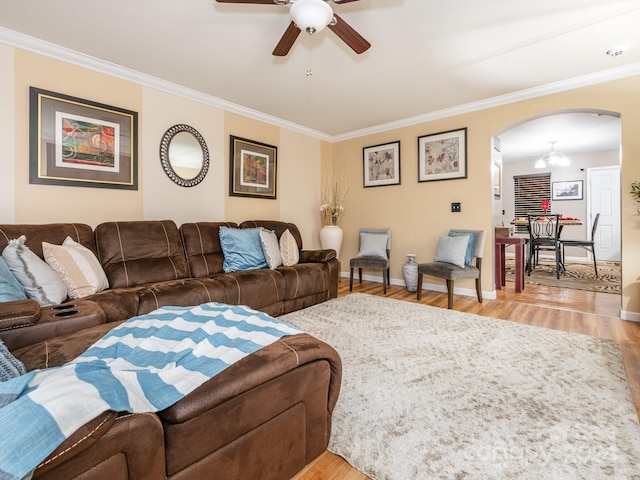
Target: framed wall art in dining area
[(442, 156), (252, 169), (381, 164), (77, 142), (571, 190)]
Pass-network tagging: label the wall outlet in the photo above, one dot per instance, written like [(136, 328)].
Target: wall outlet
[(456, 207)]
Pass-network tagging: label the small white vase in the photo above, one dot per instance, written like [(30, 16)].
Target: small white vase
[(331, 237), (410, 272)]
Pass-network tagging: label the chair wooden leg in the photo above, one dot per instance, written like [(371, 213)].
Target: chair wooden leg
[(479, 289), (419, 289), (385, 276), (360, 275), (351, 280), (595, 265), (450, 294), (389, 276)]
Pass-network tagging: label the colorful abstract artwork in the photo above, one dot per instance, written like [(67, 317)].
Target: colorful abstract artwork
[(252, 168)]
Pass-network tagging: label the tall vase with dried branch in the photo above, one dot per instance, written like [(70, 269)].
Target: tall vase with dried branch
[(331, 210)]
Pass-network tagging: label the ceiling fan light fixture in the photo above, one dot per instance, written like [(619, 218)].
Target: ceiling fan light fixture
[(553, 158), (311, 15)]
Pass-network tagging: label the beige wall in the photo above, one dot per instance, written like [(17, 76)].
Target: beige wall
[(47, 203), (162, 198), (418, 213), (7, 137), (299, 156)]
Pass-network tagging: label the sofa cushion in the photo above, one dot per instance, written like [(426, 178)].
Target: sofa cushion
[(39, 280), (289, 249), (10, 288), (140, 252), (77, 266), (242, 249), (202, 247), (270, 248), (47, 232)]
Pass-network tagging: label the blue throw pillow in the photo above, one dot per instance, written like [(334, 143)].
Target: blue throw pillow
[(10, 288), (242, 249), (471, 246)]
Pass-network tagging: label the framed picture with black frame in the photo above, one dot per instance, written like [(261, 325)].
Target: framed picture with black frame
[(381, 164), (568, 190), (252, 169), (442, 156), (78, 142)]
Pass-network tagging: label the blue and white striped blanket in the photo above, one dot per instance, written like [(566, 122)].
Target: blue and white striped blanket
[(146, 364)]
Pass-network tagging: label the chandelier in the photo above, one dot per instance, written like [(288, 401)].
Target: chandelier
[(552, 158)]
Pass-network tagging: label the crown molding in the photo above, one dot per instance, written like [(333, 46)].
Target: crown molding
[(51, 50), (41, 47), (556, 87)]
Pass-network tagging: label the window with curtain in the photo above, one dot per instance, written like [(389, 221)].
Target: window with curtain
[(528, 193)]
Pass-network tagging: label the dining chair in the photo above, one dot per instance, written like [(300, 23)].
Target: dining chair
[(544, 235), (589, 245), (374, 252), (453, 265)]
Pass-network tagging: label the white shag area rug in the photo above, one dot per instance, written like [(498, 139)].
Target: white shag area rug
[(430, 393)]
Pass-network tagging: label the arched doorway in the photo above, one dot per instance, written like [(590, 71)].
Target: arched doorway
[(591, 140)]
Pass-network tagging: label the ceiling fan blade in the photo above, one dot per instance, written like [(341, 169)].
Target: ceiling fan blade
[(344, 1), (349, 36), (287, 40), (262, 2)]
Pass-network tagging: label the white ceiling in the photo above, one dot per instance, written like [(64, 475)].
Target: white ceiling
[(426, 56)]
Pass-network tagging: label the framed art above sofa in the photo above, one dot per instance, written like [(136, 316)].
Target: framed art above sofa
[(78, 142), (252, 169)]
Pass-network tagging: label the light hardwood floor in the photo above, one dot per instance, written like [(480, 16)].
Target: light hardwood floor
[(595, 314)]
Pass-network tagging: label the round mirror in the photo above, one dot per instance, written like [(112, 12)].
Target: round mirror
[(184, 155)]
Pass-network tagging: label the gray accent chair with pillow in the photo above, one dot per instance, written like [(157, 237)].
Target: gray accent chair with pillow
[(374, 250), (454, 261)]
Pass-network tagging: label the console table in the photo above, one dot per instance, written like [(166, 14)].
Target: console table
[(500, 245)]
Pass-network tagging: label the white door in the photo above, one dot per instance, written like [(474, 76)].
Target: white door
[(604, 198)]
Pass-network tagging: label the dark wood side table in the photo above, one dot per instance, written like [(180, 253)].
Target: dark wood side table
[(500, 245)]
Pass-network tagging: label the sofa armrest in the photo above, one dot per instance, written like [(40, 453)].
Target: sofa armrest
[(317, 256), (18, 314), (50, 322)]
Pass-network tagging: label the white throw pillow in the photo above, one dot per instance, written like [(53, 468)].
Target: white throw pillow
[(39, 280), (78, 267), (289, 249), (373, 244), (452, 250), (271, 248)]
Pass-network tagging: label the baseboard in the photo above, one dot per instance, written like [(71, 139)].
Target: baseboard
[(630, 316), (469, 292)]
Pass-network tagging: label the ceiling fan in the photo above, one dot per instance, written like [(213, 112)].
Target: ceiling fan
[(312, 16)]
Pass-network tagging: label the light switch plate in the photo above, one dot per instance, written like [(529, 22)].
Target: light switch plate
[(456, 207)]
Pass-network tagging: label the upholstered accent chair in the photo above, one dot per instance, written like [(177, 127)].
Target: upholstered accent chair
[(374, 251), (454, 261), (588, 245)]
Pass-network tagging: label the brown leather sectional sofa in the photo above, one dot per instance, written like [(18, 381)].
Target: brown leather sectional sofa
[(264, 417)]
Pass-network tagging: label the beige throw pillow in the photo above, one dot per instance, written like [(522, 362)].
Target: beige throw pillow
[(289, 249), (78, 267)]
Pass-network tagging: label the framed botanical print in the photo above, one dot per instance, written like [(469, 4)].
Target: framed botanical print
[(442, 156), (381, 164)]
